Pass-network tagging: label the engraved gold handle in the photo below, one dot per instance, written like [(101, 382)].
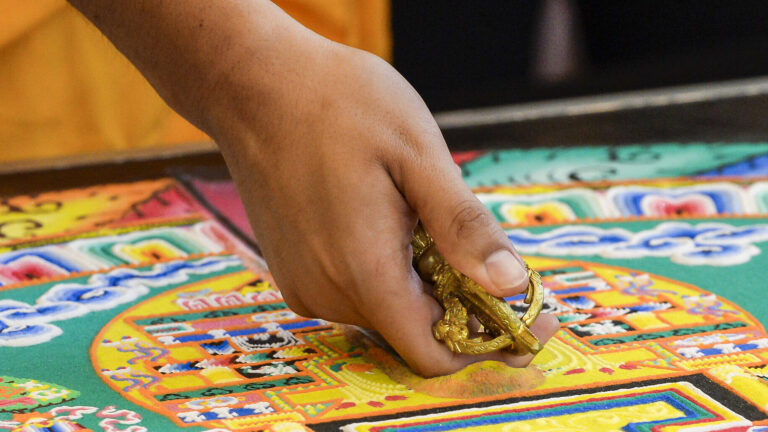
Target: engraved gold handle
[(461, 297)]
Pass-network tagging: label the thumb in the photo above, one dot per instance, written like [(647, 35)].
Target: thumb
[(464, 230)]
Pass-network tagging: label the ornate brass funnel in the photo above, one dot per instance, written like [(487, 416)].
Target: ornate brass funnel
[(461, 297)]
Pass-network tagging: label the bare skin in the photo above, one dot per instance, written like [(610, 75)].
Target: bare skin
[(335, 156)]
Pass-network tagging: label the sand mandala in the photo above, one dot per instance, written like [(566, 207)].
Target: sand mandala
[(226, 353), (143, 307)]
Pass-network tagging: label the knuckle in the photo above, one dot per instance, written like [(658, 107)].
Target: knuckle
[(295, 303), (518, 361), (434, 368), (469, 218)]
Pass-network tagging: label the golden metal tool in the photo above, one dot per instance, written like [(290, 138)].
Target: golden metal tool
[(461, 297)]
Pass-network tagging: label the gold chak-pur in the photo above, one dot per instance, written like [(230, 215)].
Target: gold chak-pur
[(461, 297)]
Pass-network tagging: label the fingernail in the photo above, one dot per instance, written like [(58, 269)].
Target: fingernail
[(505, 271)]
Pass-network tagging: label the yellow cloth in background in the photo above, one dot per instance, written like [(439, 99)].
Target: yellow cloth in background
[(65, 90)]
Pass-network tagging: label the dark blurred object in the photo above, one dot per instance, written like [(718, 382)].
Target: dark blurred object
[(458, 53), (467, 54), (729, 111)]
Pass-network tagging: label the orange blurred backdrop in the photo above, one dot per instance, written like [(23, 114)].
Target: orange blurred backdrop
[(65, 90)]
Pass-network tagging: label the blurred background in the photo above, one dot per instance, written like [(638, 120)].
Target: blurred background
[(66, 95), (461, 54)]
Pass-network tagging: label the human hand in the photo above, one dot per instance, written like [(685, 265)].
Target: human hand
[(335, 160), (334, 156)]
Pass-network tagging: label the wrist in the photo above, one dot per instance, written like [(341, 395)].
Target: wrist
[(250, 88), (272, 91)]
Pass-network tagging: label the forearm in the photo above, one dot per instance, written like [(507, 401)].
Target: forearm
[(201, 55)]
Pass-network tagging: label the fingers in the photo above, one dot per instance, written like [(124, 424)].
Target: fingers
[(544, 328), (471, 240), (465, 232), (405, 321)]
